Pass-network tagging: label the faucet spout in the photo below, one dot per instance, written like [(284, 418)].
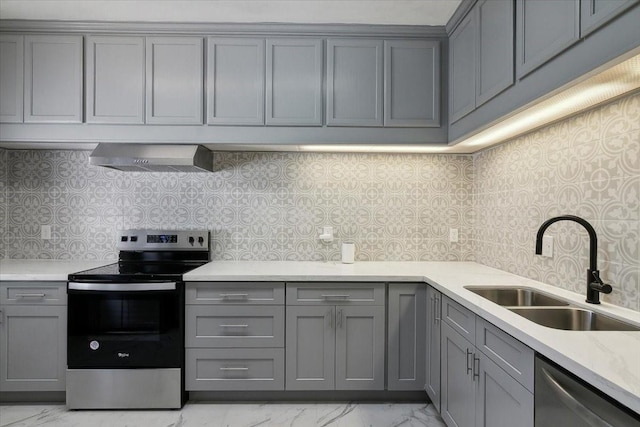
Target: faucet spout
[(594, 284)]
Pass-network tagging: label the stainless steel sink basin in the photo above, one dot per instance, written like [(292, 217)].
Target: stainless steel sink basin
[(515, 296), (573, 319)]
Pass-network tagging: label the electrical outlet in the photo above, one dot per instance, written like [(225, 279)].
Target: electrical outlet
[(547, 246), (45, 232), (453, 235)]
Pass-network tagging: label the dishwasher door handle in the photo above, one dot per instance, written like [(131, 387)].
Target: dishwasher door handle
[(591, 418)]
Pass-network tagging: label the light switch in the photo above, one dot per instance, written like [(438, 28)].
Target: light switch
[(453, 235), (547, 246), (45, 232)]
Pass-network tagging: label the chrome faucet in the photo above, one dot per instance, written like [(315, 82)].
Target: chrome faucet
[(595, 285)]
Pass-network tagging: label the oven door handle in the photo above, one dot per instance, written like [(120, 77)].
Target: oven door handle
[(123, 287)]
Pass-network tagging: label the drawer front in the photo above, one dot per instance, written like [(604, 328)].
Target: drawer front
[(335, 293), (507, 352), (234, 326), (459, 318), (234, 293), (44, 293), (234, 369)]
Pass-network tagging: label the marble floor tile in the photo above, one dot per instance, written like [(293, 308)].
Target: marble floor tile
[(347, 414)]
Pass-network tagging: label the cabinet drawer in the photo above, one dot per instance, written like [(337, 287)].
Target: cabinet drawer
[(335, 293), (235, 293), (234, 326), (459, 318), (33, 293), (234, 369), (507, 352)]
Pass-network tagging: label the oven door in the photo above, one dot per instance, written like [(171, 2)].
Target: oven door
[(113, 325)]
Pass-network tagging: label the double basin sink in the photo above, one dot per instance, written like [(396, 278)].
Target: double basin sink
[(549, 311)]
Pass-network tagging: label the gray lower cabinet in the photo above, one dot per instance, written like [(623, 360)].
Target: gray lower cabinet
[(294, 82), (11, 78), (595, 13), (335, 336), (115, 79), (432, 359), (486, 377), (33, 337), (53, 79), (543, 30), (411, 83), (407, 317), (235, 81), (234, 336), (354, 82), (174, 80)]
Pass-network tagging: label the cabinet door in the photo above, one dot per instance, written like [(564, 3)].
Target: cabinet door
[(11, 78), (543, 30), (499, 398), (595, 13), (354, 82), (432, 371), (294, 82), (412, 83), (114, 79), (310, 348), (407, 325), (174, 93), (457, 406), (462, 68), (33, 353), (359, 348), (235, 81), (495, 48), (53, 77)]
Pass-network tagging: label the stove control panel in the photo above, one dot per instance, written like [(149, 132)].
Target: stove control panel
[(141, 239)]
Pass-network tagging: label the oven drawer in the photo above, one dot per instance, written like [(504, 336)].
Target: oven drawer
[(33, 293), (234, 293), (332, 293), (234, 326), (234, 369)]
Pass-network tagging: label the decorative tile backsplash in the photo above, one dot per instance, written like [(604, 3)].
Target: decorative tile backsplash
[(587, 165), (271, 206), (258, 206)]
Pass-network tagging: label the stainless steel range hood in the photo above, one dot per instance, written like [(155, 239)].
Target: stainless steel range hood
[(153, 157)]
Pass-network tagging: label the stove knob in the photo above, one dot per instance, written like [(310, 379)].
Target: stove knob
[(201, 240), (191, 240)]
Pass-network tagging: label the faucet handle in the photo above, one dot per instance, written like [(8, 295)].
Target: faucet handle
[(598, 285)]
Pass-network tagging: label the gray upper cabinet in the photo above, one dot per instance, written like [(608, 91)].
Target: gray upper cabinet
[(544, 29), (174, 68), (406, 326), (235, 81), (462, 68), (595, 13), (11, 78), (294, 82), (53, 79), (412, 83), (354, 82), (495, 48), (114, 77)]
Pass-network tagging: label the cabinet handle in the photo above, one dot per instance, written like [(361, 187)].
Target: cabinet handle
[(234, 369), (438, 308), (30, 295), (340, 318), (234, 326), (234, 296), (335, 296), (469, 365), (476, 373)]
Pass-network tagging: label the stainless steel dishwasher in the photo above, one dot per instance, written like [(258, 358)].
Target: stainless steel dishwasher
[(563, 400)]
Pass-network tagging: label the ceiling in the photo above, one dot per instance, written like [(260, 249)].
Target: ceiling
[(385, 12)]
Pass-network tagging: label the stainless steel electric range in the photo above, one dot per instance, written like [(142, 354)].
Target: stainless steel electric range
[(125, 328)]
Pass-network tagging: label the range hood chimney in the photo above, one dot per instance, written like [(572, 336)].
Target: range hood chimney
[(152, 157)]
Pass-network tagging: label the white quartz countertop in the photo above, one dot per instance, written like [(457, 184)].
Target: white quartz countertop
[(43, 269), (609, 360)]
